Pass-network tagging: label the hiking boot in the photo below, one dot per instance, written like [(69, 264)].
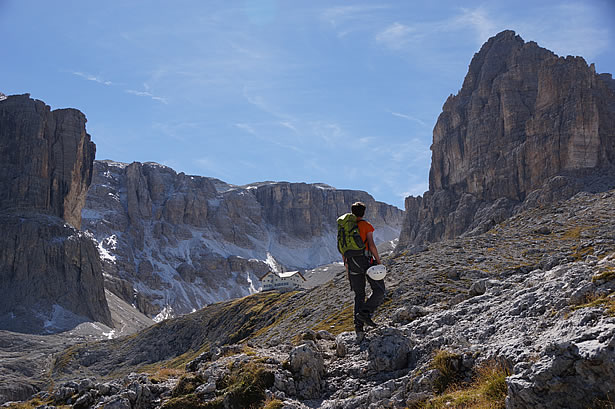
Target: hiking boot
[(360, 336), (366, 319)]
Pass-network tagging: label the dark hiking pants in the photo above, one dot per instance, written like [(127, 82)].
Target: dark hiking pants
[(357, 268)]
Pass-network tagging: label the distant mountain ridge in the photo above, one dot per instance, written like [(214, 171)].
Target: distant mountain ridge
[(170, 239), (527, 127)]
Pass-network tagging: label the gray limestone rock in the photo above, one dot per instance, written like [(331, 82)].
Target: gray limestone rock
[(307, 366), (389, 351)]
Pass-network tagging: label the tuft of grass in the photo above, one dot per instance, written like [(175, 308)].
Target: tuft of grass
[(186, 385), (30, 404), (273, 404), (606, 274), (487, 391), (572, 234), (164, 374), (245, 386), (191, 401), (448, 364), (607, 302)]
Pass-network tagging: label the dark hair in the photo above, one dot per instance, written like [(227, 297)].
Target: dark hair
[(358, 209)]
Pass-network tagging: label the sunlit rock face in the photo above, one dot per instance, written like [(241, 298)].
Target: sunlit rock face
[(526, 124)]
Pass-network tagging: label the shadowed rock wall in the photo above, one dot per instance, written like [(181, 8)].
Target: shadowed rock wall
[(50, 273)]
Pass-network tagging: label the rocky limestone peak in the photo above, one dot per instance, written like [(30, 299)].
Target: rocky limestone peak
[(50, 273), (45, 158), (522, 117)]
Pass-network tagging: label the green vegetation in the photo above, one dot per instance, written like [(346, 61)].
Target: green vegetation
[(487, 391), (192, 401), (338, 322), (448, 364), (187, 384), (606, 274), (164, 374), (243, 387), (274, 404), (607, 302), (32, 404)]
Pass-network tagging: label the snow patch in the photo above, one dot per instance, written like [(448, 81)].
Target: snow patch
[(165, 314), (60, 319)]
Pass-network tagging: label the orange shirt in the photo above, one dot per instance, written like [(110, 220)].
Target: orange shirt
[(364, 228)]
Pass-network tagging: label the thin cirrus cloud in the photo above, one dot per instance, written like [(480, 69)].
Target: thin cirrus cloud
[(91, 77), (146, 94), (410, 118)]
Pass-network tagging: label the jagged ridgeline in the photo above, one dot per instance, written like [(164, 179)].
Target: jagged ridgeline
[(167, 238), (527, 128)]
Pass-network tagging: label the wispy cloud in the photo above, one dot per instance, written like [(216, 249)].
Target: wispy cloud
[(91, 77), (396, 36), (342, 14), (329, 132), (350, 19), (410, 118), (246, 127), (288, 125), (147, 94)]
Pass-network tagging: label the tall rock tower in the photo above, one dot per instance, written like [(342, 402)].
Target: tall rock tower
[(50, 272), (527, 127)]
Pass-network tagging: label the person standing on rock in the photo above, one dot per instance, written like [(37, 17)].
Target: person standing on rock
[(356, 244)]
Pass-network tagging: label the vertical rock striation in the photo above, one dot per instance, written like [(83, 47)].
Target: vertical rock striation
[(50, 273), (527, 127)]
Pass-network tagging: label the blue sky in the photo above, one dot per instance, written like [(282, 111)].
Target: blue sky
[(340, 92)]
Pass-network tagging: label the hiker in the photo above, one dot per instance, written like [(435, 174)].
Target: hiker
[(359, 253)]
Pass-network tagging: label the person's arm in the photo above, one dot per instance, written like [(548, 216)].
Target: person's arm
[(372, 246)]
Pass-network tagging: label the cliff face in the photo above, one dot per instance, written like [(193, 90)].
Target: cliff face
[(50, 273), (526, 127), (45, 158), (186, 241)]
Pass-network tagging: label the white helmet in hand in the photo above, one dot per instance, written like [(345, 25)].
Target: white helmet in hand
[(377, 272)]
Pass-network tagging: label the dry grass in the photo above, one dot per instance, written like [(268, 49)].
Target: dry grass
[(338, 322), (487, 391), (448, 364), (607, 274), (605, 301)]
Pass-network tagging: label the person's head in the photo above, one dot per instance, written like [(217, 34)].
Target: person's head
[(358, 209)]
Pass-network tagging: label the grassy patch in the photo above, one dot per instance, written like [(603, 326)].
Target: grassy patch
[(245, 386), (448, 364), (338, 322), (164, 374), (605, 301), (572, 234), (187, 385), (32, 404), (607, 274), (487, 391), (273, 404), (192, 401)]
